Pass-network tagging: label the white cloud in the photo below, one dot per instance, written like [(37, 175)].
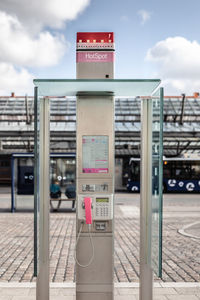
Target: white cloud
[(36, 14), (20, 48), (26, 40), (145, 16), (178, 64), (13, 80)]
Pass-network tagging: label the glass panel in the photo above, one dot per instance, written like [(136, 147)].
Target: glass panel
[(120, 87), (157, 181), (63, 172)]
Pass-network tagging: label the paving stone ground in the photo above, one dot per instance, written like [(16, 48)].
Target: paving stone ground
[(181, 254)]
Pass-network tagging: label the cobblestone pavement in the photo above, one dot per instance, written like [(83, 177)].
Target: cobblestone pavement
[(181, 254)]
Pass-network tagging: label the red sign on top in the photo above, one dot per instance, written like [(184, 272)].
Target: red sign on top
[(95, 37)]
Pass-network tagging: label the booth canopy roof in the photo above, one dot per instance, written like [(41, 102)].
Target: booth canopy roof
[(120, 87)]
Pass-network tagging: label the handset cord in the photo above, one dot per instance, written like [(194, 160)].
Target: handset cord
[(92, 244)]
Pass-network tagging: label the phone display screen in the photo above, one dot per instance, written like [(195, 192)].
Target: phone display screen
[(103, 200)]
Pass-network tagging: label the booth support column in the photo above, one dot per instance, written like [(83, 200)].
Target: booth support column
[(146, 272), (42, 292)]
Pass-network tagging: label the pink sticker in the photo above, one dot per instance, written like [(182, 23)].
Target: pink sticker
[(95, 56), (95, 170)]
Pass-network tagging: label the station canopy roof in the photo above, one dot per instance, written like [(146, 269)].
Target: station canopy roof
[(181, 125)]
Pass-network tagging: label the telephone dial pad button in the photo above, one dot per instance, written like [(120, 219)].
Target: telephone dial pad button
[(102, 210)]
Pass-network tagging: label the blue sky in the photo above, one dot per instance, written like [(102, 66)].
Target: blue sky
[(154, 39)]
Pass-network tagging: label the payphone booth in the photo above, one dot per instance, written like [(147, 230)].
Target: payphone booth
[(94, 253)]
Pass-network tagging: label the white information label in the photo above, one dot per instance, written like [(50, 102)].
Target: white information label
[(95, 154)]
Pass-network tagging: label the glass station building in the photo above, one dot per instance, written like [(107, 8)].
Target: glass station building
[(181, 134)]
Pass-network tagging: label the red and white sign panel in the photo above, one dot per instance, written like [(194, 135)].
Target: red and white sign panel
[(89, 44), (95, 37)]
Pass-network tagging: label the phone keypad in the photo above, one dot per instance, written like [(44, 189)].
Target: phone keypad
[(102, 210)]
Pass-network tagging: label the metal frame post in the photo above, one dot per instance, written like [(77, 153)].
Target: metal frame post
[(146, 272), (35, 180), (42, 288), (161, 181), (12, 184)]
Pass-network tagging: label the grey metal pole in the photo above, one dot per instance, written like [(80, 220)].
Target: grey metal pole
[(42, 287), (161, 181), (146, 273), (35, 179), (13, 184)]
